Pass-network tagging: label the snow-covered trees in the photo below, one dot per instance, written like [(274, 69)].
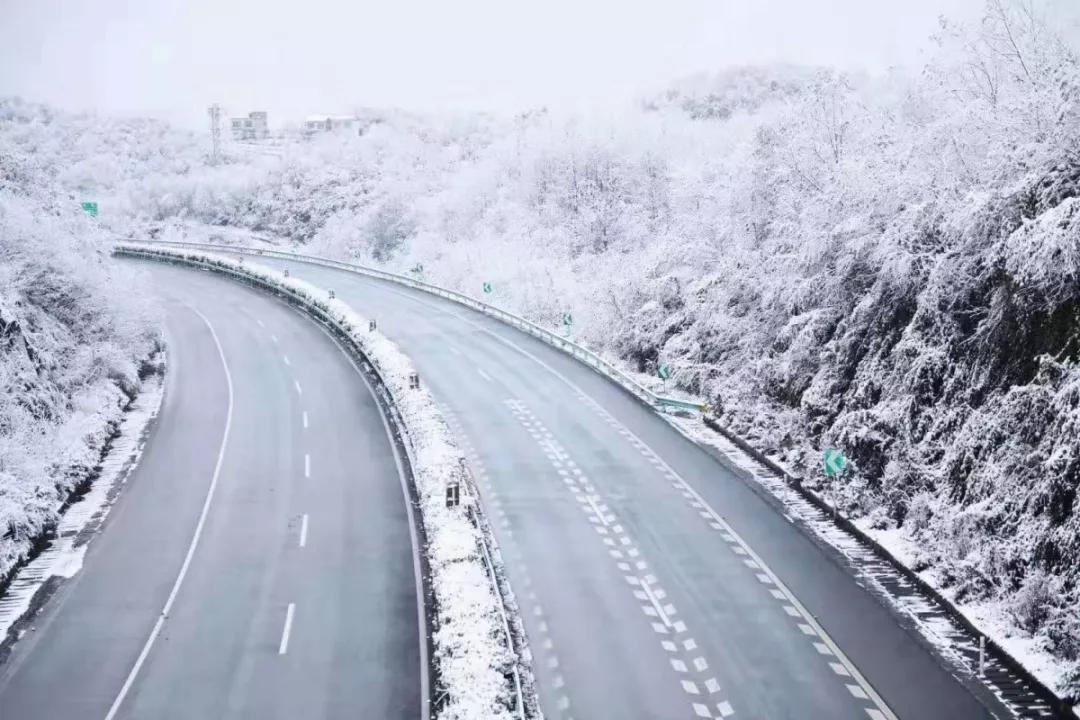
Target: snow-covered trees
[(73, 334), (886, 264)]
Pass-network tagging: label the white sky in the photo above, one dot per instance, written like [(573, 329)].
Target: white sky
[(171, 58)]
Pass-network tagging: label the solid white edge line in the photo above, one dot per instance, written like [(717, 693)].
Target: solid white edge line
[(303, 530), (425, 681), (130, 680), (287, 630), (856, 675)]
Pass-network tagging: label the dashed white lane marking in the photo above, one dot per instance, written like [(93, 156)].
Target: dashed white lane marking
[(305, 419), (303, 530), (791, 605), (645, 587), (484, 375), (274, 338), (299, 390), (139, 661), (259, 322), (286, 359), (287, 630), (307, 465), (454, 350)]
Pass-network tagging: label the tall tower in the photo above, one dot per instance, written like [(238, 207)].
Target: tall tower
[(215, 133)]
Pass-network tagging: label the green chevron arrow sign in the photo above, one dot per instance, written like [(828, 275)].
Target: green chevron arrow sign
[(418, 269), (835, 462), (90, 208), (488, 288), (663, 371), (567, 319)]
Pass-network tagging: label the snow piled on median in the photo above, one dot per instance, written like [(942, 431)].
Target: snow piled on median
[(470, 649)]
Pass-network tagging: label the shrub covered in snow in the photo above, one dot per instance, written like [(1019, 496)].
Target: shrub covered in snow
[(73, 334), (888, 265)]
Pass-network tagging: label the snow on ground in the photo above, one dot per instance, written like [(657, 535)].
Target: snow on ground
[(64, 556)]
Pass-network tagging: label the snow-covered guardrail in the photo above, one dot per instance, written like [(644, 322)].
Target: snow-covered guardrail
[(582, 353), (476, 666)]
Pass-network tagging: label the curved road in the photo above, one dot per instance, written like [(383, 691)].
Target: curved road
[(305, 526), (654, 582)]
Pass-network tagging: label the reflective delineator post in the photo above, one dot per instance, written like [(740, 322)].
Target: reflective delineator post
[(453, 493), (371, 326), (286, 272), (414, 381), (332, 295)]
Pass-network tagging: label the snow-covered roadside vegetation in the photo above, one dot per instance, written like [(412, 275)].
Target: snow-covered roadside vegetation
[(887, 265), (74, 346), (471, 650)]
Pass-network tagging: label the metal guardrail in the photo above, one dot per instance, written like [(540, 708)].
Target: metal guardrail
[(590, 358), (132, 250)]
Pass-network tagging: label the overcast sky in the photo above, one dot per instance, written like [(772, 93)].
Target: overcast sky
[(171, 58)]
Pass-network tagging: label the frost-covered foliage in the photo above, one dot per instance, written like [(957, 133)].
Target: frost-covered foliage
[(470, 646), (888, 265), (71, 342)]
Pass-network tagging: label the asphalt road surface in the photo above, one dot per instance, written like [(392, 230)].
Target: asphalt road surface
[(299, 599), (654, 582)]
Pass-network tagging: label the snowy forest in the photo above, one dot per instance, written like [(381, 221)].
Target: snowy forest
[(73, 346), (885, 264)]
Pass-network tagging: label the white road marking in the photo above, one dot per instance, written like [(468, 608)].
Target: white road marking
[(141, 659), (305, 420), (484, 375), (592, 503), (453, 349), (303, 530), (307, 465), (259, 322), (286, 359), (768, 577), (273, 337), (287, 630), (425, 679), (652, 599), (299, 390)]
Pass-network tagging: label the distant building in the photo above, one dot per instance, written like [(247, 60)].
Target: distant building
[(331, 123), (252, 127)]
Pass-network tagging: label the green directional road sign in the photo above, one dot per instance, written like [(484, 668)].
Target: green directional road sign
[(488, 288), (835, 462), (663, 371), (90, 208)]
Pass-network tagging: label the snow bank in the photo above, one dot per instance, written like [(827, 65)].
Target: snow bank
[(471, 652)]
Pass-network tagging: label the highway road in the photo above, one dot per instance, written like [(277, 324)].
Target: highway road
[(654, 582), (267, 514)]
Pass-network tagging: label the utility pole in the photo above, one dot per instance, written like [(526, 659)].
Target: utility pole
[(215, 133)]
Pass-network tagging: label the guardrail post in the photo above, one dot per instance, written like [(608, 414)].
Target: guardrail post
[(453, 493)]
